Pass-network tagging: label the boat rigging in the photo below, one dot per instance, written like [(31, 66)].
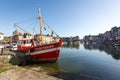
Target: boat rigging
[(44, 51)]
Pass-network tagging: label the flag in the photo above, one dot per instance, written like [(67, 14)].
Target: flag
[(44, 28)]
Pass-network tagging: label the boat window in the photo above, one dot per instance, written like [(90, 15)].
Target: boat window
[(14, 44)]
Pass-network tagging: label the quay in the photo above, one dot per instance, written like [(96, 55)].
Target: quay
[(10, 71)]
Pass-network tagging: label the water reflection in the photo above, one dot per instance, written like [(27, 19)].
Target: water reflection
[(50, 68), (76, 62), (114, 51)]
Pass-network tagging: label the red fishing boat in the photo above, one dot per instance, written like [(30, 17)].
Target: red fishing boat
[(43, 52)]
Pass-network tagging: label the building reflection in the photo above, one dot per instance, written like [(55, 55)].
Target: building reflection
[(114, 51)]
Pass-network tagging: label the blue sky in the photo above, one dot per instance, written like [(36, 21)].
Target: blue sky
[(66, 17)]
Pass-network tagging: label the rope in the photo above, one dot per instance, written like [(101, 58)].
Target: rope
[(31, 24), (50, 28), (26, 20), (35, 23)]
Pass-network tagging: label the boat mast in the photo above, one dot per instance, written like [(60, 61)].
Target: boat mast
[(40, 21)]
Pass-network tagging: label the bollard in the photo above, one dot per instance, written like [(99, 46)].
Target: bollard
[(2, 51)]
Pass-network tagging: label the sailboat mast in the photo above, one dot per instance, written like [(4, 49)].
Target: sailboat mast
[(40, 21)]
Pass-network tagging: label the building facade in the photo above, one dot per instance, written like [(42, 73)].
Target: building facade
[(1, 37), (108, 37)]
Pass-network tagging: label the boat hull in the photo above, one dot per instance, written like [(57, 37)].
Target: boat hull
[(49, 56), (42, 53)]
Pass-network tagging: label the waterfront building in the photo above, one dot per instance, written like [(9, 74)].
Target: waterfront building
[(1, 37), (71, 40), (114, 32), (76, 38), (68, 39), (118, 37), (17, 36), (86, 38), (109, 37), (15, 33), (118, 31)]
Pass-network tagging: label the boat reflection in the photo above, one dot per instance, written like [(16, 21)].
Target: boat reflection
[(114, 51), (50, 68)]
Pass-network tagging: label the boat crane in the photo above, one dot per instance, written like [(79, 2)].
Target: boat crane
[(17, 26)]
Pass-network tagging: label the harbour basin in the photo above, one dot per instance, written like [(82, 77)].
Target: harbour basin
[(98, 61)]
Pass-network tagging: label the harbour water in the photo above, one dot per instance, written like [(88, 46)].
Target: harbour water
[(98, 62), (85, 62)]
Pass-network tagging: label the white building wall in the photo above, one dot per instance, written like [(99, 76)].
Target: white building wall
[(119, 31), (1, 37)]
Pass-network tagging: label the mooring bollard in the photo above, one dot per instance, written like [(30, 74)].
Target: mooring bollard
[(1, 51)]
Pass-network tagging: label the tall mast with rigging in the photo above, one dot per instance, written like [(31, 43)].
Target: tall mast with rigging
[(40, 21)]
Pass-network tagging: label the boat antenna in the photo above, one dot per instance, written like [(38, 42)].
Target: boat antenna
[(40, 21), (39, 3)]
